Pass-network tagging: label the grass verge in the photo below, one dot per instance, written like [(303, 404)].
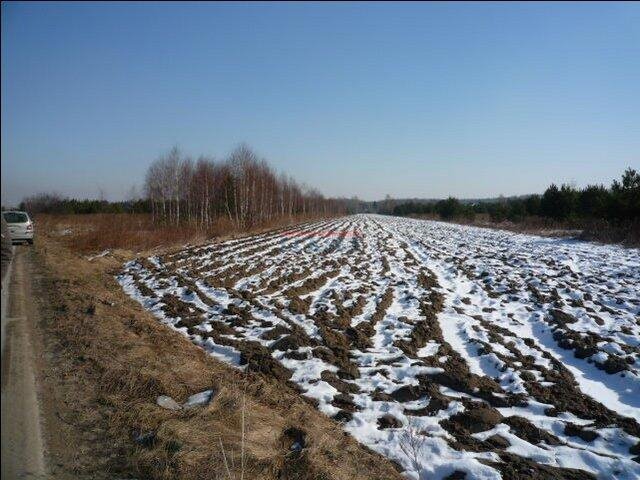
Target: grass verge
[(116, 359), (137, 232)]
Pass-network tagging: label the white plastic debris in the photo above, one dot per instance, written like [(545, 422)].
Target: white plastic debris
[(167, 402), (199, 399)]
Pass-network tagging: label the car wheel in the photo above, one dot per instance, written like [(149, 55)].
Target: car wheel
[(30, 241)]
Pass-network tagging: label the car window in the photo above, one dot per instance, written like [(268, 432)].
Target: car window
[(15, 217)]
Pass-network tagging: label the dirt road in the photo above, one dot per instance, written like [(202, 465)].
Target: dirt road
[(22, 440)]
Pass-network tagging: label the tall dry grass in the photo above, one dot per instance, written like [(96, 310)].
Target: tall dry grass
[(137, 232), (601, 231)]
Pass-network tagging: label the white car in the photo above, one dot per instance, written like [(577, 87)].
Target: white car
[(20, 226)]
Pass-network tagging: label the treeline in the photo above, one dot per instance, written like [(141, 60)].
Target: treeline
[(445, 209), (617, 204), (54, 203), (242, 188), (178, 190)]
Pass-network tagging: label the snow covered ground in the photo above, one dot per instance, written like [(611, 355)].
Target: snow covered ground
[(449, 349)]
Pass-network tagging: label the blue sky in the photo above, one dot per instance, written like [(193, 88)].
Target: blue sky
[(411, 100)]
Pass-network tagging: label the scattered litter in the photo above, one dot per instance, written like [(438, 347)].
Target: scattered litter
[(145, 439), (198, 400), (167, 402), (91, 258), (295, 438)]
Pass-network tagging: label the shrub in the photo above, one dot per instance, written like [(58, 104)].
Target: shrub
[(449, 208), (593, 201), (625, 196), (558, 203)]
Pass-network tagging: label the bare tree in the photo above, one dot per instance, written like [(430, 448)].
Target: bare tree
[(243, 187)]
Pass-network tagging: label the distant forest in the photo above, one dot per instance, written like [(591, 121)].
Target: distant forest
[(618, 203), (244, 189), (178, 190)]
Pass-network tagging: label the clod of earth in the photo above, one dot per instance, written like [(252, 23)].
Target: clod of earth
[(389, 421)]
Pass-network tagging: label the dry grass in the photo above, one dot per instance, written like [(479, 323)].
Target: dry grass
[(136, 232), (592, 230), (603, 231), (116, 359)]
